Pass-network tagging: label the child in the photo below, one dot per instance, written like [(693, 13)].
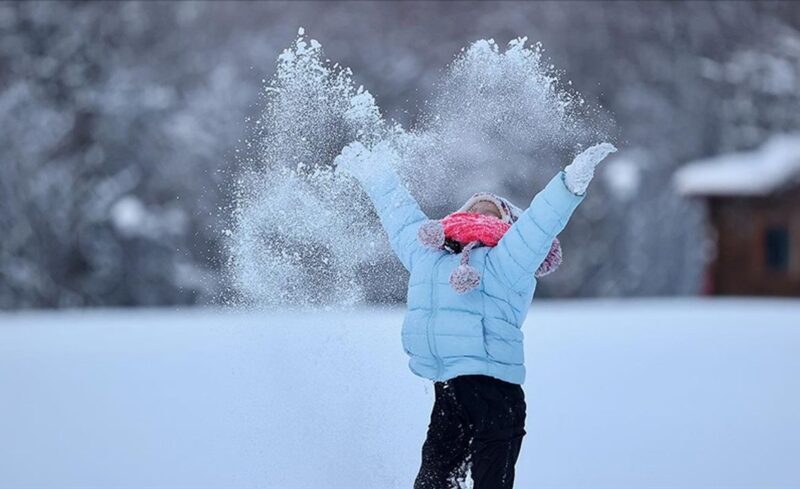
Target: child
[(472, 278)]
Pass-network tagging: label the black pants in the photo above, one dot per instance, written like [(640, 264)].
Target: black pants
[(477, 425)]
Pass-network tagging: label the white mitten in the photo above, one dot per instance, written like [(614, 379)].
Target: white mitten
[(362, 163), (352, 160), (580, 172)]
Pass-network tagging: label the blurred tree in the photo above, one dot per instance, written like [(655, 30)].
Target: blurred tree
[(115, 132)]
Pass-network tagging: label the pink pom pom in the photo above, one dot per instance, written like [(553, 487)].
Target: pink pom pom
[(552, 261), (464, 278), (431, 234)]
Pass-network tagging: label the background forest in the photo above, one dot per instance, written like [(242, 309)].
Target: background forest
[(121, 124)]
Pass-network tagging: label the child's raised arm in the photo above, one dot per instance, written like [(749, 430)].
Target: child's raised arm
[(399, 213), (526, 244)]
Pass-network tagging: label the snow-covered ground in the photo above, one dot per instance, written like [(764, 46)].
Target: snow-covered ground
[(645, 394)]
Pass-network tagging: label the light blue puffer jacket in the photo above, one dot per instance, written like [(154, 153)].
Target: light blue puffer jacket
[(447, 334)]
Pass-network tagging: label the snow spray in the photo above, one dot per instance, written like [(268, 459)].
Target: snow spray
[(301, 235), (497, 117)]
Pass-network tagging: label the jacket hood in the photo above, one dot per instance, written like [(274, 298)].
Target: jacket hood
[(465, 277), (509, 213)]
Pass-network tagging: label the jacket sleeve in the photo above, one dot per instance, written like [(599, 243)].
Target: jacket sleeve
[(399, 213), (525, 245)]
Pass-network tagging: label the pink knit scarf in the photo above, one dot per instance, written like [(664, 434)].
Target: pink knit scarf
[(468, 230), (466, 227)]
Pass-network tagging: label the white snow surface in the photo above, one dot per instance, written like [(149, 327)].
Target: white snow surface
[(638, 394), (748, 173)]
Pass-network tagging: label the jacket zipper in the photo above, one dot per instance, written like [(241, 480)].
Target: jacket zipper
[(431, 322)]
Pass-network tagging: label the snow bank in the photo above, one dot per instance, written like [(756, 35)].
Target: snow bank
[(653, 394), (757, 172)]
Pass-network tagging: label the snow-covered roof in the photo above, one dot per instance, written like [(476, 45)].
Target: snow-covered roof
[(761, 171)]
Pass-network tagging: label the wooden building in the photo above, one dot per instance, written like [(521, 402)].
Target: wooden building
[(753, 201)]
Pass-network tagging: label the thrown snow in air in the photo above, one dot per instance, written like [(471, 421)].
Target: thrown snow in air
[(301, 235)]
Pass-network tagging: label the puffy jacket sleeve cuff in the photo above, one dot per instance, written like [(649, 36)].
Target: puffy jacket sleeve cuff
[(560, 199)]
